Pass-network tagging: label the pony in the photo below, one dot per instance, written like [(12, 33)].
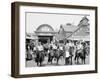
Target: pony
[(39, 58), (50, 56), (81, 54), (56, 55)]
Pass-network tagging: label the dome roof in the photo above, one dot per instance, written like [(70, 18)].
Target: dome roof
[(44, 28)]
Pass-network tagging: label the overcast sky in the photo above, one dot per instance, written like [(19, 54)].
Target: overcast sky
[(34, 20)]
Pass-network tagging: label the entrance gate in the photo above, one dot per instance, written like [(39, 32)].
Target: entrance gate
[(45, 39)]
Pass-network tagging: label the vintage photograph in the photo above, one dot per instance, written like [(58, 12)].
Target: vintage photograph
[(56, 39), (53, 39)]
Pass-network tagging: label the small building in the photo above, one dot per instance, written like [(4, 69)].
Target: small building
[(45, 33)]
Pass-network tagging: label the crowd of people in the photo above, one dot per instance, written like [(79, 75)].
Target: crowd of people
[(55, 50)]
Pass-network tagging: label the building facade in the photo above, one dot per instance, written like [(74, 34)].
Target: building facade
[(45, 32)]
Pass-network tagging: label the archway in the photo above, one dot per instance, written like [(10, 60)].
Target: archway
[(45, 33)]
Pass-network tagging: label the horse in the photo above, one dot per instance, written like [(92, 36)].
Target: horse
[(39, 57), (50, 56), (81, 54), (71, 53), (56, 55)]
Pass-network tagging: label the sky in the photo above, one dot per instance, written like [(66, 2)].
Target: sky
[(34, 20)]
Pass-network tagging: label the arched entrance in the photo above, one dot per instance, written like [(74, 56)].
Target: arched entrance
[(45, 33), (45, 39)]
